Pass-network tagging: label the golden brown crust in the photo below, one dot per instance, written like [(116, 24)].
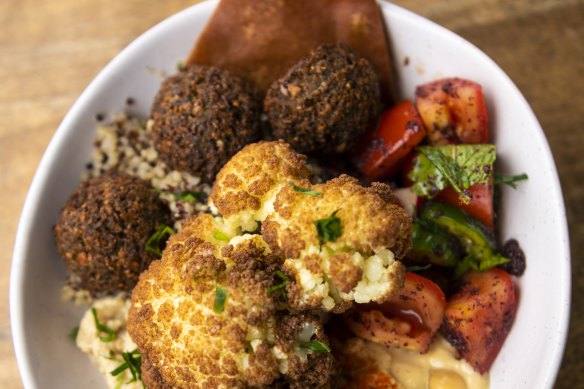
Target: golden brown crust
[(325, 102), (103, 228), (175, 327), (207, 107), (254, 175), (343, 273), (151, 377), (184, 340), (330, 275), (305, 368), (369, 218)]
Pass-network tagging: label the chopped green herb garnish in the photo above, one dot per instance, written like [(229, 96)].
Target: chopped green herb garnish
[(418, 267), (180, 65), (310, 192), (276, 287), (282, 276), (110, 335), (160, 236), (220, 297), (460, 166), (190, 197), (73, 333), (220, 236), (510, 180), (133, 363), (284, 279), (328, 229), (281, 285), (316, 346)]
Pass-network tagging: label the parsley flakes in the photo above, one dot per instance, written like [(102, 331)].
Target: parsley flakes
[(310, 192), (281, 285), (158, 239), (328, 229), (220, 236), (316, 346), (73, 333), (220, 297)]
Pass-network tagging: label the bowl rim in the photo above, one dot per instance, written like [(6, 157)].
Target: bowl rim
[(31, 203)]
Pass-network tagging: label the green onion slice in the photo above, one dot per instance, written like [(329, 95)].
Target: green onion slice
[(110, 335)]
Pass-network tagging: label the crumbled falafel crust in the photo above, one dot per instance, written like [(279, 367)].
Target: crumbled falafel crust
[(325, 102), (251, 176), (202, 116), (102, 231), (183, 342)]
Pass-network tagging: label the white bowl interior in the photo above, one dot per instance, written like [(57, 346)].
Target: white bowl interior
[(534, 213)]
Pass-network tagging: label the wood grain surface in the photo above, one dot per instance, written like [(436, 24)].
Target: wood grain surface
[(51, 50)]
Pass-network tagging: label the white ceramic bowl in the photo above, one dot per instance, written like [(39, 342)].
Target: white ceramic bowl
[(534, 213)]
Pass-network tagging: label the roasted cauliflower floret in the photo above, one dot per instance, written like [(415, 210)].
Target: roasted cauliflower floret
[(246, 187), (204, 315), (298, 337), (340, 243)]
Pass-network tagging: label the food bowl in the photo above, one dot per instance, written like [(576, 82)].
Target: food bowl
[(423, 51)]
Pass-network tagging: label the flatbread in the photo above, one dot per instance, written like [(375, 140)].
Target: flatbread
[(259, 40)]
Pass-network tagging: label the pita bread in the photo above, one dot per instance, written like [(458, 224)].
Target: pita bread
[(259, 40)]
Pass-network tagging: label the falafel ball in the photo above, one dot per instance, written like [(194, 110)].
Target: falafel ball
[(202, 116), (103, 228), (325, 102), (205, 316)]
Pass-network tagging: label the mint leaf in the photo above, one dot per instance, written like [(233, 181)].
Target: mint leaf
[(460, 166)]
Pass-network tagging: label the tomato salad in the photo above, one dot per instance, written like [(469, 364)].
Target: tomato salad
[(437, 150)]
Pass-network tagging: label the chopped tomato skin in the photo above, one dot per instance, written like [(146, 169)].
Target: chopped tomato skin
[(453, 111), (479, 316), (408, 320), (381, 154), (480, 206)]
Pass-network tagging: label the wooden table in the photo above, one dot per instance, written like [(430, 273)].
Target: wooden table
[(50, 50)]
